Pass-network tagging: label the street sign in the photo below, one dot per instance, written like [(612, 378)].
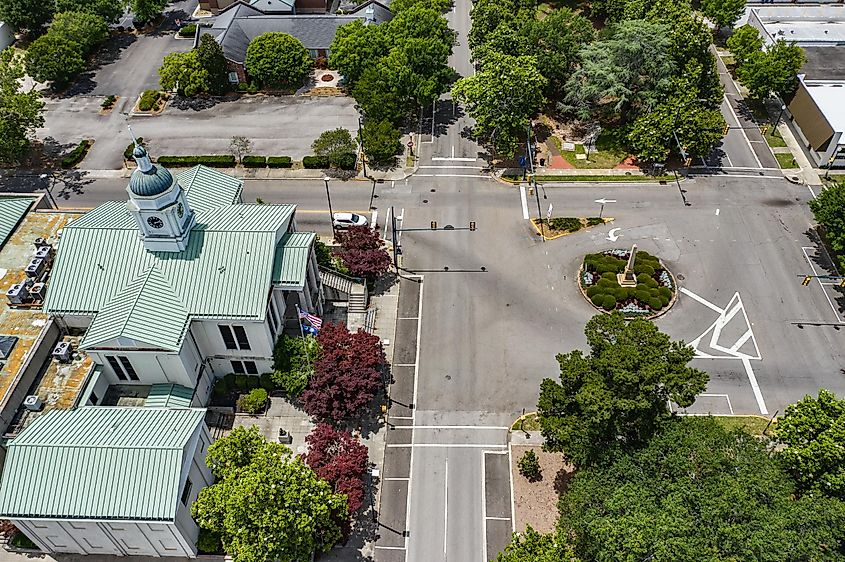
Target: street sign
[(549, 212), (522, 161)]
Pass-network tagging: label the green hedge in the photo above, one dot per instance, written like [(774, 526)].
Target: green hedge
[(127, 154), (346, 161), (315, 162), (149, 99), (216, 160), (188, 31), (76, 155), (279, 161), (254, 161), (606, 293)]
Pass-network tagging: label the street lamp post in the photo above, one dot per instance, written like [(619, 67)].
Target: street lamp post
[(675, 126), (780, 115), (329, 199), (372, 193)]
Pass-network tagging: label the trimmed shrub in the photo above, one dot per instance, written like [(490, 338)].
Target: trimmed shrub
[(609, 275), (149, 99), (252, 382), (254, 161), (76, 155), (315, 162), (214, 160), (593, 291), (230, 380), (254, 401), (642, 278), (241, 382), (221, 388), (108, 101), (279, 161), (609, 302), (664, 301), (209, 543), (597, 299), (643, 269), (642, 296), (266, 382), (655, 303), (188, 31), (242, 86), (570, 224), (346, 161), (664, 292), (651, 283), (593, 221), (642, 287), (529, 466)]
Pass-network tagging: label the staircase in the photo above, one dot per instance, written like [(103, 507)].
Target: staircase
[(337, 286)]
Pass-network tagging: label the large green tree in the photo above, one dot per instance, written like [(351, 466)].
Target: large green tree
[(502, 97), (772, 71), (26, 15), (378, 97), (697, 492), (813, 431), (147, 10), (618, 394), (624, 74), (555, 42), (20, 112), (110, 10), (829, 211), (54, 58), (85, 29), (335, 145), (356, 47), (723, 13), (397, 6), (278, 60), (420, 22), (532, 546), (213, 61), (744, 42), (416, 71), (184, 73), (267, 505), (382, 141)]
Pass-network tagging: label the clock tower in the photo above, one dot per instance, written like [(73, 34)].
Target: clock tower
[(159, 205)]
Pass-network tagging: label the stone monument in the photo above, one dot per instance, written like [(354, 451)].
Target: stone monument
[(627, 277)]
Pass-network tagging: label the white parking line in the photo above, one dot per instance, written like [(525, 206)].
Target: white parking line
[(479, 427), (824, 290), (745, 136), (445, 446), (524, 202)]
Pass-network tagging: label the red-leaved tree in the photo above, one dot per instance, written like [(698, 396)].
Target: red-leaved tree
[(340, 459), (347, 374), (362, 251)]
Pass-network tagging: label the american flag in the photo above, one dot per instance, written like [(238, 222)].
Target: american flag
[(315, 321)]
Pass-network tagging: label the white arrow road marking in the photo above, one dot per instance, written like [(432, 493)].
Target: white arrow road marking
[(612, 236), (602, 201)]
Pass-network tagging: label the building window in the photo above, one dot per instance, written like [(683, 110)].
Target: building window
[(228, 338), (274, 319), (238, 367), (115, 366), (94, 399), (186, 491), (130, 370), (250, 367), (234, 337)]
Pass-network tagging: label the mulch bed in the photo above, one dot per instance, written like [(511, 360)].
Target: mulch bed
[(535, 503)]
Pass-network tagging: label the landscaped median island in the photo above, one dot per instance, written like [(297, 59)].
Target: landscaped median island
[(561, 226), (649, 290)]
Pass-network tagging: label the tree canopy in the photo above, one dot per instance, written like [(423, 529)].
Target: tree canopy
[(618, 393), (147, 10), (502, 97), (697, 492), (356, 47), (532, 546), (213, 61), (27, 15), (744, 42), (20, 112), (278, 60), (555, 42), (340, 459), (723, 13), (813, 431), (54, 58), (184, 73), (772, 71), (110, 10), (362, 251), (381, 142), (829, 211), (267, 505), (86, 29), (335, 145)]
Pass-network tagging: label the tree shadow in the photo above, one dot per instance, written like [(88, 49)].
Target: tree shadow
[(562, 479), (108, 53), (446, 113)]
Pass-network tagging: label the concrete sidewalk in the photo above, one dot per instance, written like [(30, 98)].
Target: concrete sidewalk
[(808, 173)]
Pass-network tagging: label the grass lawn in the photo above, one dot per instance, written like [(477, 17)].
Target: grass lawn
[(836, 178), (773, 138), (607, 152), (786, 160), (752, 424)]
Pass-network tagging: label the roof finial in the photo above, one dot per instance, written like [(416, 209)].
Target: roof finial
[(142, 159), (131, 134)]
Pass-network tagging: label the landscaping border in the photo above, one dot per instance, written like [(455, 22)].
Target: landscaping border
[(657, 314), (556, 236)]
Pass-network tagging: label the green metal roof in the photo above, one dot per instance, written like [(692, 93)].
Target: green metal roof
[(12, 212), (169, 396), (102, 269), (98, 463), (207, 188), (291, 264)]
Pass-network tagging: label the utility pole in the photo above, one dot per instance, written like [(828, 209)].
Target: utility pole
[(361, 140), (534, 182), (329, 199), (372, 193), (394, 238)]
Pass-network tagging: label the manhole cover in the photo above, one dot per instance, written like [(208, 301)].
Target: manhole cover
[(448, 377), (680, 277)]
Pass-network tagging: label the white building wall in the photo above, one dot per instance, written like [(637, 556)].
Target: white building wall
[(152, 367)]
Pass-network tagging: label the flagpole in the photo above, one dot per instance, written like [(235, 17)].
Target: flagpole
[(302, 334)]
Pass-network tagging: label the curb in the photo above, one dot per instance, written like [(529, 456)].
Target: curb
[(556, 236)]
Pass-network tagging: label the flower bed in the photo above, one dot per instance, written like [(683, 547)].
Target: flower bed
[(653, 294), (561, 226)]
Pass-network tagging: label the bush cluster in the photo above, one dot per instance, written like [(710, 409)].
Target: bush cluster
[(251, 88), (254, 401), (127, 154), (108, 101), (188, 31), (279, 162), (76, 155), (570, 224), (215, 160), (529, 466), (148, 100), (606, 292), (254, 161), (237, 383), (315, 162)]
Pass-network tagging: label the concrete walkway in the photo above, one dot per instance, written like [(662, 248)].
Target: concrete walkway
[(808, 174)]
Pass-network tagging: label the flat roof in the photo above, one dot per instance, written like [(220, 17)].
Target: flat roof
[(58, 385), (821, 25), (824, 63), (828, 96)]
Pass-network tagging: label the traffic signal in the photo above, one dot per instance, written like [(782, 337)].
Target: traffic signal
[(472, 229), (806, 280), (687, 162), (433, 225), (842, 282), (765, 130), (727, 128)]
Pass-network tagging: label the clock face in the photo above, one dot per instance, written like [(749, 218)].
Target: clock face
[(155, 222), (180, 210)]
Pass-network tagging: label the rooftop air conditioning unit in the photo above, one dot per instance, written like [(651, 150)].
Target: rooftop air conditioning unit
[(62, 352), (33, 403), (40, 243), (44, 253), (7, 343), (35, 268), (19, 292), (38, 291)]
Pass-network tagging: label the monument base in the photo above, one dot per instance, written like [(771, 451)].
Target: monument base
[(626, 279)]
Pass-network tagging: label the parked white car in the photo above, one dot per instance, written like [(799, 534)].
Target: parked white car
[(345, 220)]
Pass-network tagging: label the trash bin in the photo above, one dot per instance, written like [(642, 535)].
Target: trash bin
[(542, 161)]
